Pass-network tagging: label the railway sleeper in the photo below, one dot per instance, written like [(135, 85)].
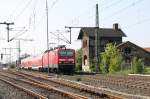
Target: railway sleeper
[(50, 88), (31, 93), (73, 85), (47, 87)]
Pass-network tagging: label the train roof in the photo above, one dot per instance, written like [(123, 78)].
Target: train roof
[(32, 57), (26, 59), (59, 47)]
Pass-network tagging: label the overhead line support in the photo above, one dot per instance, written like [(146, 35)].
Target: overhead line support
[(74, 27), (7, 28)]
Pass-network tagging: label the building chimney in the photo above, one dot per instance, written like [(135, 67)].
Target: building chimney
[(115, 26)]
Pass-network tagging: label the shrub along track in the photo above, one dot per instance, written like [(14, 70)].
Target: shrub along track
[(79, 89)]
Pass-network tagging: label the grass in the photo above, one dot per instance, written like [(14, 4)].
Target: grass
[(123, 72), (147, 70), (127, 71)]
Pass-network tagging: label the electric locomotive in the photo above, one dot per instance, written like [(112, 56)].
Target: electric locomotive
[(60, 59)]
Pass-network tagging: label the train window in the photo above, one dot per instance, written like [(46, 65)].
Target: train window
[(55, 53), (66, 53)]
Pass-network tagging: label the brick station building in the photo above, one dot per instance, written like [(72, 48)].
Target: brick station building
[(108, 35)]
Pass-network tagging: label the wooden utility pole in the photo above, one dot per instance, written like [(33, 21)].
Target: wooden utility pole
[(8, 29)]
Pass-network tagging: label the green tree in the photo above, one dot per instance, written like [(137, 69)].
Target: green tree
[(104, 62), (111, 59), (115, 63), (137, 65), (78, 60)]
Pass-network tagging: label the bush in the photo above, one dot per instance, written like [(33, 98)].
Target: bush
[(78, 67), (137, 65), (111, 59), (12, 66), (78, 60), (104, 65), (92, 65), (115, 65), (147, 70)]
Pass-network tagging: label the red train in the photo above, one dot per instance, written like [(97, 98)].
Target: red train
[(60, 59)]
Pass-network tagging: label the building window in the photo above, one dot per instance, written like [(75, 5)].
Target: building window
[(127, 50), (109, 41), (85, 60)]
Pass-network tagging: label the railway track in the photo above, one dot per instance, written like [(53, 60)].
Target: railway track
[(31, 87), (82, 91), (131, 86), (93, 86), (28, 92)]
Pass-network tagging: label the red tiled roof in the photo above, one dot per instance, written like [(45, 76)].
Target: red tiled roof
[(147, 49)]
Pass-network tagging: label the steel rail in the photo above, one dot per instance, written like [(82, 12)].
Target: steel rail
[(48, 87), (29, 92), (76, 86)]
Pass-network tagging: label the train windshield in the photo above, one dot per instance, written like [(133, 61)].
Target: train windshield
[(66, 53)]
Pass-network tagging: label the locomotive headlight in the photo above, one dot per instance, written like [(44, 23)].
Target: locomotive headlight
[(73, 62), (70, 59), (60, 62)]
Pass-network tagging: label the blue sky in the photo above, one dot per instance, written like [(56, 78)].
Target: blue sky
[(132, 15)]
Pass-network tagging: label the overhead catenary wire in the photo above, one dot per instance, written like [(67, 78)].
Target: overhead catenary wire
[(78, 17), (18, 15), (112, 4), (33, 14), (106, 6), (51, 7), (27, 4), (15, 9), (123, 9), (31, 17), (65, 40), (137, 23), (64, 37), (53, 4), (22, 11), (18, 34), (109, 5)]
